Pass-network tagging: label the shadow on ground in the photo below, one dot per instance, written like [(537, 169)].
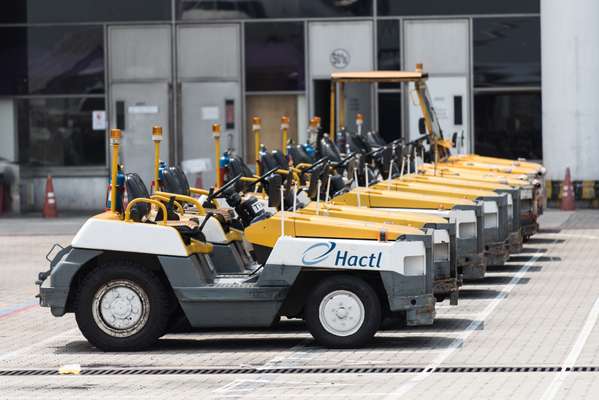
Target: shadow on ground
[(512, 268)]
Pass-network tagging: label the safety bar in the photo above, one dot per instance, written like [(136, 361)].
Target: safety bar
[(149, 201)]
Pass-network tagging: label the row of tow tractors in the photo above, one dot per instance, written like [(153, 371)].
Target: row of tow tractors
[(340, 231)]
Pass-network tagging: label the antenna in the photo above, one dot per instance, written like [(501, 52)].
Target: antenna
[(390, 173), (403, 163), (326, 196), (357, 185), (318, 197), (282, 213), (295, 197), (365, 175)]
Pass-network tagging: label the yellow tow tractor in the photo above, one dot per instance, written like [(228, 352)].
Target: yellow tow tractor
[(428, 124)]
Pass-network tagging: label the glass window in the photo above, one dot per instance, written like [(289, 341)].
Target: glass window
[(274, 56), (507, 52), (508, 125), (59, 132), (36, 11), (388, 44), (240, 9), (52, 60), (390, 116), (456, 7)]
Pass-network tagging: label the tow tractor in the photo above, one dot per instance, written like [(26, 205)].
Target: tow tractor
[(131, 272)]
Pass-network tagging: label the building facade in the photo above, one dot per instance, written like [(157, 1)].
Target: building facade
[(73, 69)]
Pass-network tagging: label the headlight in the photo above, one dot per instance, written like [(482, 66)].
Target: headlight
[(414, 265), (526, 194), (490, 215)]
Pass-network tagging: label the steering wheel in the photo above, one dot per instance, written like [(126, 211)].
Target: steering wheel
[(223, 189), (316, 164), (347, 159), (262, 178)]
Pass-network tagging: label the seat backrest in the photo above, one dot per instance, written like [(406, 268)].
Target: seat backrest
[(137, 189), (329, 149), (174, 181), (280, 159), (236, 167), (268, 161), (357, 143), (298, 155)]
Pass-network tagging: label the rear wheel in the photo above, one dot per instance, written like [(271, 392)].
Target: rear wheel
[(342, 312), (122, 306)]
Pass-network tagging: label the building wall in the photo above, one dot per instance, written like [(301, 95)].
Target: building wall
[(61, 75)]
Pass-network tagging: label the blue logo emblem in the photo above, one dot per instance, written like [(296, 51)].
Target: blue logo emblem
[(317, 252)]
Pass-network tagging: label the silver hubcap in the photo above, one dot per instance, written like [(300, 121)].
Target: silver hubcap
[(341, 313), (121, 308)]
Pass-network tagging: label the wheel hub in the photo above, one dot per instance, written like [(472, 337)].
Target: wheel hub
[(121, 308), (341, 313)]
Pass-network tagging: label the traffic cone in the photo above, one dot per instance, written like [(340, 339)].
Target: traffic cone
[(49, 210), (567, 195)]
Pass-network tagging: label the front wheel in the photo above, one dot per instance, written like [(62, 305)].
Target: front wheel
[(343, 312), (121, 306)]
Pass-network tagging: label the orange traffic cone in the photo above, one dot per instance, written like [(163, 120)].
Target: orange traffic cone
[(567, 195), (49, 210)]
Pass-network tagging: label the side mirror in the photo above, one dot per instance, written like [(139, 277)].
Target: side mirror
[(454, 139), (421, 126)]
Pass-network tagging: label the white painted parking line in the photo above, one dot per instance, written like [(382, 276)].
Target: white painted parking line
[(574, 353), (35, 345), (472, 327)]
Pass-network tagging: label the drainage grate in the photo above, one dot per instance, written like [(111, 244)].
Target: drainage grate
[(335, 370)]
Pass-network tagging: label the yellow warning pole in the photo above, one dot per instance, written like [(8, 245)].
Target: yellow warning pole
[(284, 129), (332, 110), (115, 141), (256, 128), (156, 138), (216, 136)]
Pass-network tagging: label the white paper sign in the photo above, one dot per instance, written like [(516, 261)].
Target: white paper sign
[(143, 110), (209, 113), (99, 120)]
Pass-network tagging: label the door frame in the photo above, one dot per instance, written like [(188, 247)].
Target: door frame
[(468, 74)]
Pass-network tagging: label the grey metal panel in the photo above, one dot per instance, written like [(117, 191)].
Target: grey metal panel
[(353, 37), (209, 51), (278, 275), (139, 52), (442, 45), (226, 259), (137, 146), (197, 97), (185, 272), (216, 314)]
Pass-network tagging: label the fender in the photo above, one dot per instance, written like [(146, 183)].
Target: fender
[(56, 287)]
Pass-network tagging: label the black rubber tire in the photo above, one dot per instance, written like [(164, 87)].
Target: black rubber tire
[(372, 312), (157, 294)]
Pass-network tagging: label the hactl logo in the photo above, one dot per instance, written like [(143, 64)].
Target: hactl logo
[(318, 252)]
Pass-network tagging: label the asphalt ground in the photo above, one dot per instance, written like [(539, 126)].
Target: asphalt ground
[(527, 331)]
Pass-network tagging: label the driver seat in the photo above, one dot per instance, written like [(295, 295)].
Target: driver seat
[(140, 211)]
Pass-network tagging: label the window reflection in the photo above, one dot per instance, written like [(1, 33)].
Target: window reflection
[(507, 52), (274, 56), (390, 116), (36, 11), (59, 132), (508, 125), (456, 7), (52, 60), (238, 9)]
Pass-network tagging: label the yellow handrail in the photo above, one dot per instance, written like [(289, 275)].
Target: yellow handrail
[(185, 199), (164, 198), (149, 201)]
